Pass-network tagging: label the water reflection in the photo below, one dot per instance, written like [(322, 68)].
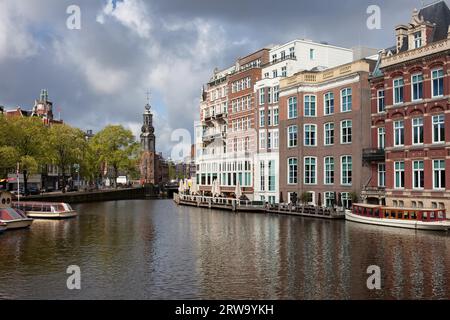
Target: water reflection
[(156, 250)]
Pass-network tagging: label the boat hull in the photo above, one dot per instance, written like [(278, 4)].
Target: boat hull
[(52, 215), (17, 224), (396, 223)]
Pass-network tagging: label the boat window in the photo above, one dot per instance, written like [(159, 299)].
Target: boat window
[(432, 215), (406, 215), (377, 213), (414, 215), (393, 215), (387, 214), (425, 216)]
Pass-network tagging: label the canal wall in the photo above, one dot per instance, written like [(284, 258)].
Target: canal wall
[(97, 196)]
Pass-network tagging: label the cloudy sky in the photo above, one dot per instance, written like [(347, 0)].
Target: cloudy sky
[(99, 75)]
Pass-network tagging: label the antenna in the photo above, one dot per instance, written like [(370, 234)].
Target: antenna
[(148, 96)]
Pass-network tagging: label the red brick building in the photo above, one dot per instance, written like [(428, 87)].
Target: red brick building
[(411, 115), (324, 126)]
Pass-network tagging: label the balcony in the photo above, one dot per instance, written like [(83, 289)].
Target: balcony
[(210, 137), (374, 155)]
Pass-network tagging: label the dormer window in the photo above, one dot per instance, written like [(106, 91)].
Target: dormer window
[(417, 39)]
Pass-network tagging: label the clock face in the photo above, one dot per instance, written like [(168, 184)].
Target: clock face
[(144, 129)]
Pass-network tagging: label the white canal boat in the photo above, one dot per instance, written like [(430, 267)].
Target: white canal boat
[(12, 218), (419, 219), (43, 210)]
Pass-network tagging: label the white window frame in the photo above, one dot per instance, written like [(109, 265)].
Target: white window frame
[(432, 81), (326, 130), (379, 98), (342, 132), (327, 98), (381, 173), (315, 171), (381, 132), (349, 170), (415, 127), (399, 171), (289, 136), (310, 104), (349, 101), (413, 83), (442, 184), (295, 178), (420, 172), (291, 104), (439, 131), (326, 171), (311, 126), (402, 87), (402, 128)]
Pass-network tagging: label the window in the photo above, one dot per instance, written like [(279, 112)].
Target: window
[(310, 135), (418, 39), (284, 71), (262, 172), (262, 118), (269, 140), (381, 138), (266, 75), (262, 96), (398, 90), (276, 117), (417, 127), (275, 73), (439, 174), (328, 103), (329, 134), (437, 77), (418, 177), (399, 173), (272, 176), (329, 199), (276, 94), (269, 95), (269, 117), (310, 170), (293, 171), (292, 136), (310, 106), (417, 87), (346, 200), (312, 54), (346, 100), (329, 170), (381, 175), (262, 140), (276, 139), (381, 102), (346, 132), (438, 129), (399, 133), (283, 55), (292, 108), (274, 58), (292, 52), (346, 170)]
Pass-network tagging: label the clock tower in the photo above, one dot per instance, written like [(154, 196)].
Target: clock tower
[(148, 148)]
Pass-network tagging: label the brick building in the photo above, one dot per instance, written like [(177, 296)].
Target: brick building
[(411, 115), (324, 126)]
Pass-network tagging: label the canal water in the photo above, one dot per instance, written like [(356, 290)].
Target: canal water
[(145, 249)]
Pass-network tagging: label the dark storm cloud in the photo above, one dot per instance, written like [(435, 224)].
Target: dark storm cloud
[(99, 75)]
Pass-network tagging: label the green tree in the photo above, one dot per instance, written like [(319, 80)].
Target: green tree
[(27, 136), (66, 147), (116, 148)]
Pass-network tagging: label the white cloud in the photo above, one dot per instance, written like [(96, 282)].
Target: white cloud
[(15, 40), (130, 13)]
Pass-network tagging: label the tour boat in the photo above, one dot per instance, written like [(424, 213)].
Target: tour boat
[(42, 210), (13, 218), (420, 219)]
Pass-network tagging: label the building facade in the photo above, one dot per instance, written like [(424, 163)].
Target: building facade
[(285, 61), (411, 115), (324, 117)]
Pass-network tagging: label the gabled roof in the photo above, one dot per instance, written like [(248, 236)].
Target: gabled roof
[(437, 13)]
